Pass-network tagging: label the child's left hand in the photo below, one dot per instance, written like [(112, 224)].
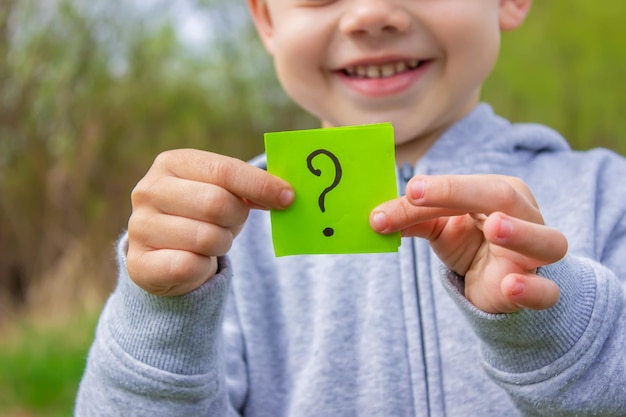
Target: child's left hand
[(487, 228)]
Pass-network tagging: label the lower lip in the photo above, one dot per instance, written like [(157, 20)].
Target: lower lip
[(380, 87)]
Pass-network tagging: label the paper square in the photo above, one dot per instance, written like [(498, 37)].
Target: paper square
[(339, 175)]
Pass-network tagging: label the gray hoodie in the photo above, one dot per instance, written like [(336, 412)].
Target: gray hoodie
[(386, 334)]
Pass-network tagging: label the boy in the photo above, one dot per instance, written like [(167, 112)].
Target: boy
[(483, 312)]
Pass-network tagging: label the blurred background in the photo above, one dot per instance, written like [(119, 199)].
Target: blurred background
[(92, 90)]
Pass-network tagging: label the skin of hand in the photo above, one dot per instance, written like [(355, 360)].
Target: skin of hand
[(487, 228), (187, 210)]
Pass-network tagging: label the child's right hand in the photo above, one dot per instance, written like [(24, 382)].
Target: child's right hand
[(186, 212)]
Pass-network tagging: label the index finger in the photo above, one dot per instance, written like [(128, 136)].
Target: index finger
[(475, 194), (238, 177)]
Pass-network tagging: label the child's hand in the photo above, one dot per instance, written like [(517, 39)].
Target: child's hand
[(187, 210), (487, 228)]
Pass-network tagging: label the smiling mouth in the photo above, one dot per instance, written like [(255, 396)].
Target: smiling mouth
[(382, 71)]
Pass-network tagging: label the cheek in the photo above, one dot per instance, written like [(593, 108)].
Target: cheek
[(472, 48), (299, 65), (465, 21), (296, 77)]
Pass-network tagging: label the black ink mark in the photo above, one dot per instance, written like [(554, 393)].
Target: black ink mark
[(318, 172)]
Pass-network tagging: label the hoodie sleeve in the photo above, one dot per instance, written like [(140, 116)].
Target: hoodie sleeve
[(565, 361), (158, 356), (568, 360)]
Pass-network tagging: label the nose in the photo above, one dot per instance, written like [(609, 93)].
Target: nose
[(374, 18)]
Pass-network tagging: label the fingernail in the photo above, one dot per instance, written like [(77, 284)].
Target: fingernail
[(518, 288), (506, 229), (286, 198), (380, 221), (416, 190)]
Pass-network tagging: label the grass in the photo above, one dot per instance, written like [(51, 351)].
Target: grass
[(41, 366)]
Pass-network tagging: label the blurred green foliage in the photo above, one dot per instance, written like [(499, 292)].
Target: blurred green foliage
[(564, 68), (90, 93), (40, 368)]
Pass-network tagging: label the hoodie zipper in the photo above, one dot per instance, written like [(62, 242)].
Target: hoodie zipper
[(406, 173)]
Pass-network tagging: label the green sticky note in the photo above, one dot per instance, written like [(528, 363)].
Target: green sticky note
[(339, 175)]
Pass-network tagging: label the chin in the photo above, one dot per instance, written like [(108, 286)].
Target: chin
[(402, 139), (405, 134)]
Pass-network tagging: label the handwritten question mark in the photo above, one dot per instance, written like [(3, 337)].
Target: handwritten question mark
[(329, 231)]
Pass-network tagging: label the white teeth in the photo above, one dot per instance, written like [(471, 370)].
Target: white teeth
[(400, 67), (381, 71), (372, 71), (388, 70)]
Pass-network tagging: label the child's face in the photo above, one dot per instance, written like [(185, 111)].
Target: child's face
[(419, 64)]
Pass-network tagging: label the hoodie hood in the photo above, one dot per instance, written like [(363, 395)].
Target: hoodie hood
[(484, 138)]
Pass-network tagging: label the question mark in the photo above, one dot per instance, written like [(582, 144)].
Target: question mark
[(318, 172)]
